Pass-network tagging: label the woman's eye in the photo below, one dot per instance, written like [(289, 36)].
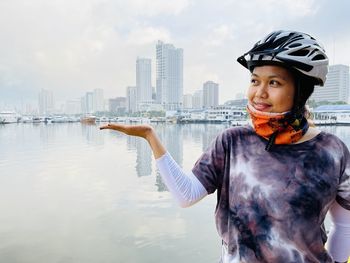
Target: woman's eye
[(253, 81), (274, 83)]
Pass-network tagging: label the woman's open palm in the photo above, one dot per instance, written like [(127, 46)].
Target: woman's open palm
[(141, 130)]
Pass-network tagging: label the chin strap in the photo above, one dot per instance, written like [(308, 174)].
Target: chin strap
[(271, 141)]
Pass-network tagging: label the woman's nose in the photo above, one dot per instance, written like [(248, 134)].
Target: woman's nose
[(261, 91)]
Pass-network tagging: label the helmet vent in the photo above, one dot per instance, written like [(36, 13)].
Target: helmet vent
[(300, 53), (292, 49), (295, 45), (318, 57)]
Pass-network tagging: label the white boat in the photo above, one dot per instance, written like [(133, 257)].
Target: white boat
[(8, 117), (27, 119), (59, 119), (37, 119)]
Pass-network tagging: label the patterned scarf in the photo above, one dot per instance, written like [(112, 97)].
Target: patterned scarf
[(278, 128)]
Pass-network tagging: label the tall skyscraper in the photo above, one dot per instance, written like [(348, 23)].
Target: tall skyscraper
[(87, 103), (46, 102), (131, 99), (210, 94), (336, 87), (169, 76), (187, 101), (143, 80), (98, 100)]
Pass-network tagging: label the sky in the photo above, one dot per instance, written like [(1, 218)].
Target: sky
[(75, 46)]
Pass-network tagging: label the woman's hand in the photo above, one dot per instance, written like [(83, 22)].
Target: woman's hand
[(142, 130)]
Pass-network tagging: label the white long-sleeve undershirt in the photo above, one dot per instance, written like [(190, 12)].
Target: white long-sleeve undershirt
[(188, 190), (185, 187), (338, 244)]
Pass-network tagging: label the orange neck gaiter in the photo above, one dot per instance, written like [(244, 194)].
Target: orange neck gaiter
[(278, 128)]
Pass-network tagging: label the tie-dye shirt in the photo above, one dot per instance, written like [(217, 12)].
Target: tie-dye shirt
[(271, 205)]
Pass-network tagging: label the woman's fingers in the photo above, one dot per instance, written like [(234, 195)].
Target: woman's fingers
[(134, 130), (108, 126), (116, 127)]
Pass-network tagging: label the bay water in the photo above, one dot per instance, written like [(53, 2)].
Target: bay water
[(72, 193)]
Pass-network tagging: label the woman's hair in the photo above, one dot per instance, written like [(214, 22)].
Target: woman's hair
[(304, 87)]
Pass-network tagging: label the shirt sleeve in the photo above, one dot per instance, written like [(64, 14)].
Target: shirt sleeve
[(210, 167), (343, 193), (338, 243), (185, 187)]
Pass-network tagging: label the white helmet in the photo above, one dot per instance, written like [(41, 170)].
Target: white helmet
[(292, 49)]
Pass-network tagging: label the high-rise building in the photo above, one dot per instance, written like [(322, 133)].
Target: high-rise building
[(210, 94), (46, 102), (87, 103), (143, 80), (336, 87), (72, 107), (169, 76), (98, 100), (187, 101), (117, 105), (197, 99), (131, 99)]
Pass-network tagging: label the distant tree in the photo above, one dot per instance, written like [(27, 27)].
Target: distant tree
[(315, 104)]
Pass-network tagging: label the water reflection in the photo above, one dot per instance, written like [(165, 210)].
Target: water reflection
[(172, 138), (91, 133), (143, 158)]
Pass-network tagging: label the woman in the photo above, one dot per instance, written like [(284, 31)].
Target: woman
[(276, 179)]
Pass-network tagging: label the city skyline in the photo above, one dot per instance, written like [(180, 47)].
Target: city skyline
[(336, 89), (72, 47)]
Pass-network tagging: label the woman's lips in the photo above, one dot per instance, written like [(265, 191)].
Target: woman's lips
[(261, 106)]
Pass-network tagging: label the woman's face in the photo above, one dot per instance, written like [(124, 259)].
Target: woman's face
[(271, 89)]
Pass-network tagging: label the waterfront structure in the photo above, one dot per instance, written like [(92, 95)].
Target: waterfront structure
[(332, 114), (197, 99), (336, 87), (143, 81), (46, 102), (210, 94), (169, 83), (131, 99), (224, 113), (218, 114)]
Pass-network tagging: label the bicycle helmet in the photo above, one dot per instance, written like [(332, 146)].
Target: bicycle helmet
[(295, 50)]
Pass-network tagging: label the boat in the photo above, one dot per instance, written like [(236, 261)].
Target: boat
[(88, 119), (59, 119), (27, 119), (8, 117), (37, 119)]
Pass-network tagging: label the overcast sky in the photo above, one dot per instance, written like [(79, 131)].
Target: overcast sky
[(73, 46)]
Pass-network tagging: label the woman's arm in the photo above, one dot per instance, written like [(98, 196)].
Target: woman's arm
[(185, 187), (338, 243)]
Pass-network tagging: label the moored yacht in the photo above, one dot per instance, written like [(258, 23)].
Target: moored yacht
[(8, 117)]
